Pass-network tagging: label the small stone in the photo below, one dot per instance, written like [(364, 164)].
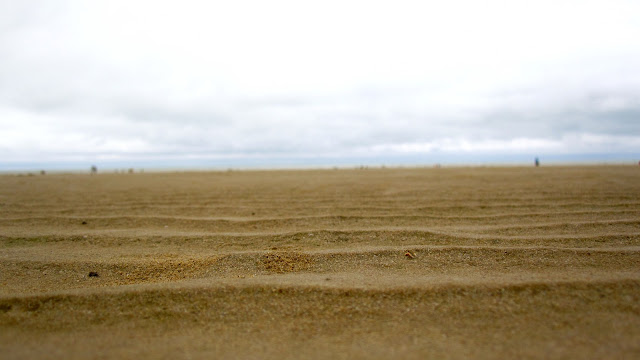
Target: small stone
[(93, 274), (84, 223), (410, 254)]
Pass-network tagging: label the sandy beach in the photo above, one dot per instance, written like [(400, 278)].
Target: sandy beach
[(411, 263)]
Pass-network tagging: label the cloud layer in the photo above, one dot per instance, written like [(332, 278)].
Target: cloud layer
[(87, 81)]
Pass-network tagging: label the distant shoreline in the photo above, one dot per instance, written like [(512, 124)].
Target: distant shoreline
[(318, 162), (156, 170)]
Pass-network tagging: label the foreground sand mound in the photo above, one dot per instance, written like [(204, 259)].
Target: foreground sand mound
[(574, 319)]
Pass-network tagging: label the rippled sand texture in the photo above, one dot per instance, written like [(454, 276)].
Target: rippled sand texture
[(341, 264)]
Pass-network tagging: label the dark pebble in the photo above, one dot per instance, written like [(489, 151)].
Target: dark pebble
[(93, 274)]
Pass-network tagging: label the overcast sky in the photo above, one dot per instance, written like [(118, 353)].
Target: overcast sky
[(92, 81)]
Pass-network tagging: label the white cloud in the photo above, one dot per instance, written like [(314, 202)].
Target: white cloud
[(569, 144), (85, 80)]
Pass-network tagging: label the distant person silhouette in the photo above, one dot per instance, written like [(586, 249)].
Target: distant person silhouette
[(94, 169), (537, 161)]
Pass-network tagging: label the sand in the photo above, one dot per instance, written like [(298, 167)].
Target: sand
[(484, 262)]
